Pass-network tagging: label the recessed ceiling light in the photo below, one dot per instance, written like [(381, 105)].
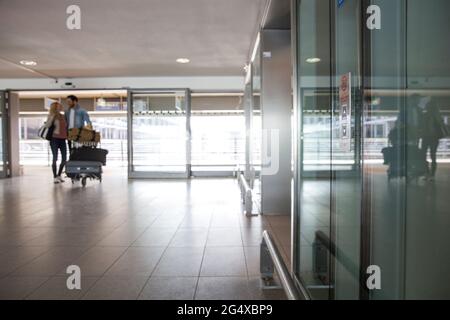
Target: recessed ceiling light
[(183, 60), (28, 63), (313, 60)]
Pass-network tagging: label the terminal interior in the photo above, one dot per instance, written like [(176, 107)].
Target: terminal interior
[(263, 147)]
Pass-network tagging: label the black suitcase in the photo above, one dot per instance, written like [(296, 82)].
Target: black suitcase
[(89, 154), (405, 161)]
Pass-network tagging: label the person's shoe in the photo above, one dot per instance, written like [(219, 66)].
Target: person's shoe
[(60, 179), (56, 180)]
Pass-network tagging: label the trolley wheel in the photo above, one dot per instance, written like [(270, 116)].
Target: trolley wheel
[(83, 182)]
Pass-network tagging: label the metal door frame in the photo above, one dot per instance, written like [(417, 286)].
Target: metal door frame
[(163, 174), (4, 133)]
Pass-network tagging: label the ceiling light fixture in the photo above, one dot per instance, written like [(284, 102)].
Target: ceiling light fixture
[(183, 60), (28, 63), (313, 60)]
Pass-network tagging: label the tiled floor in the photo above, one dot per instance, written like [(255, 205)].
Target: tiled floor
[(141, 239)]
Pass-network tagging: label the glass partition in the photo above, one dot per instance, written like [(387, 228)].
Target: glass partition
[(2, 135), (372, 167), (345, 155), (406, 149), (159, 133), (256, 127), (314, 147)]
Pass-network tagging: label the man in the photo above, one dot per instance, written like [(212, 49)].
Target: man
[(76, 117), (433, 130)]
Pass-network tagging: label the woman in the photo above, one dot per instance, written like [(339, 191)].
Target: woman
[(58, 140)]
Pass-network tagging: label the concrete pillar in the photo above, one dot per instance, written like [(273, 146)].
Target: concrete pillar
[(276, 108), (13, 135)]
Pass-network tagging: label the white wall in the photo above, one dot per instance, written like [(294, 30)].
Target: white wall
[(194, 83)]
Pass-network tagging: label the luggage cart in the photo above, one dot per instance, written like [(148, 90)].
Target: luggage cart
[(86, 162), (83, 170)]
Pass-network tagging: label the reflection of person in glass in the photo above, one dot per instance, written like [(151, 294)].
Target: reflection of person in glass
[(433, 129), (405, 159)]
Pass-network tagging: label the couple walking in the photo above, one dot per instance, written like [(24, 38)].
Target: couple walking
[(62, 121)]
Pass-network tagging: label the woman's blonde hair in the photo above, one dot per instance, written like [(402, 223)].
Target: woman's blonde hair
[(53, 109)]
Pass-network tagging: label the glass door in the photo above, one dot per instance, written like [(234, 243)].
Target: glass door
[(3, 169), (159, 133)]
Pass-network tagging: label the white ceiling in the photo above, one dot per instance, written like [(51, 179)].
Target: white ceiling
[(128, 38)]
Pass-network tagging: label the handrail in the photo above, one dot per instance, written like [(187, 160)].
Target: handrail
[(246, 194), (271, 259)]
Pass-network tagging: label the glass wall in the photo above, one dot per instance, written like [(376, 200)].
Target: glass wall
[(158, 133), (218, 133), (256, 127), (373, 107), (313, 198), (2, 132), (408, 94), (345, 144), (36, 152)]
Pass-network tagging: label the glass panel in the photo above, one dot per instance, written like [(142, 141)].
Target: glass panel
[(346, 187), (410, 99), (386, 108), (256, 127), (218, 132), (36, 152), (159, 132), (314, 117), (218, 141), (428, 218), (2, 155)]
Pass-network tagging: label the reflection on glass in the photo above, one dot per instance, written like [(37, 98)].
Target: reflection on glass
[(313, 199), (159, 132), (407, 150), (385, 201), (346, 186), (256, 127), (1, 134)]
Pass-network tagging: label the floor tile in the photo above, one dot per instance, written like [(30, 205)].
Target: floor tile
[(224, 261), (56, 289), (224, 237), (116, 288), (180, 262), (136, 261), (17, 288), (97, 260), (51, 262), (169, 288), (252, 255), (223, 288), (190, 237), (156, 237)]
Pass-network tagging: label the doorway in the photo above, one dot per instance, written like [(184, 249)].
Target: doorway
[(159, 133)]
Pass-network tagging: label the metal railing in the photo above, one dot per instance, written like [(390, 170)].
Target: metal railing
[(271, 261), (246, 193)]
